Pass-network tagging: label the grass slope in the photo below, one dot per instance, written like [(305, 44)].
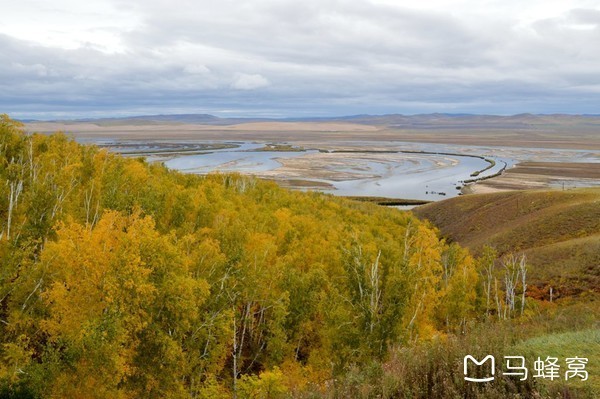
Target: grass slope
[(582, 344), (559, 231)]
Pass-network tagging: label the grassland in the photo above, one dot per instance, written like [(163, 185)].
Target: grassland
[(536, 131), (582, 344), (559, 231), (431, 370)]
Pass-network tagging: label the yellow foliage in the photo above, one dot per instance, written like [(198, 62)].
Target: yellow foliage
[(267, 385), (123, 279)]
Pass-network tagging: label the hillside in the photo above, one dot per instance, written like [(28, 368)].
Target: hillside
[(559, 231), (123, 279)]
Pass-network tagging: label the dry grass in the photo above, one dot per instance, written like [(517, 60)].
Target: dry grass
[(433, 369), (539, 136), (558, 230), (565, 345), (540, 175), (585, 170)]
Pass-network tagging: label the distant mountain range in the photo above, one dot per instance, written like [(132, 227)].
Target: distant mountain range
[(398, 121)]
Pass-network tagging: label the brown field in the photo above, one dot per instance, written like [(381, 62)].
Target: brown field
[(540, 175), (260, 131), (319, 132), (503, 138), (573, 170)]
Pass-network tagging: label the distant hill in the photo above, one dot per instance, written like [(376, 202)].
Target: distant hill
[(394, 121), (202, 119), (559, 231), (467, 121)]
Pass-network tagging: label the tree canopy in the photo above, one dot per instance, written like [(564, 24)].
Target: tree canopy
[(120, 278)]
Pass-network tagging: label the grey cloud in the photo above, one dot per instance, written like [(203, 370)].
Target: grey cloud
[(313, 32), (291, 58)]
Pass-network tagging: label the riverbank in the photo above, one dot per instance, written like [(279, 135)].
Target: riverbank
[(540, 175)]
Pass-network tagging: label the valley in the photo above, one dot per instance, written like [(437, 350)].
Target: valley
[(423, 157)]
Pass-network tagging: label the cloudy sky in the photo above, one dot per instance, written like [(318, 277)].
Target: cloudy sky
[(276, 58)]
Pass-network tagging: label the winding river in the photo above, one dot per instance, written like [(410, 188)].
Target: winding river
[(393, 174)]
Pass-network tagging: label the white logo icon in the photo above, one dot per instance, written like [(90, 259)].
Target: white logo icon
[(480, 363)]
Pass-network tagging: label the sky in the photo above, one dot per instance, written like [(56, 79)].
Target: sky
[(281, 58)]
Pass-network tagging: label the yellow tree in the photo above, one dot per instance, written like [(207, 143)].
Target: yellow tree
[(424, 273), (459, 288)]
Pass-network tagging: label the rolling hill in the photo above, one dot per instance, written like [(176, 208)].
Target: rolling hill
[(433, 121), (558, 231)]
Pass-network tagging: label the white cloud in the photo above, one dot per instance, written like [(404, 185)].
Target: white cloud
[(69, 24), (196, 69), (243, 81)]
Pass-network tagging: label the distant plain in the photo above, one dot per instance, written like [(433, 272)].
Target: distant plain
[(548, 150)]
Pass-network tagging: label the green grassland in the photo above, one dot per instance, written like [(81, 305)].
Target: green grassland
[(582, 344)]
